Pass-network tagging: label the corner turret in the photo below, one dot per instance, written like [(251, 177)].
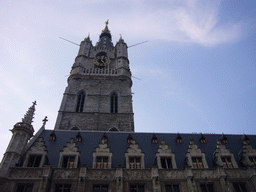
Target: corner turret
[(22, 132), (121, 54)]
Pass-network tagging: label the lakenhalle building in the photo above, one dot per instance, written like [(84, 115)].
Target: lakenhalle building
[(93, 147)]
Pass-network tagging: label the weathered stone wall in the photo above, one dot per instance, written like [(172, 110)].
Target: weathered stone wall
[(120, 180)]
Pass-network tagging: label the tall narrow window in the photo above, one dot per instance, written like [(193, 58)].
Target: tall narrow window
[(166, 162), (24, 188), (227, 162), (80, 102), (172, 188), (63, 188), (102, 163), (34, 160), (137, 188), (135, 163), (113, 103), (239, 187), (207, 188), (197, 163), (68, 161), (100, 188)]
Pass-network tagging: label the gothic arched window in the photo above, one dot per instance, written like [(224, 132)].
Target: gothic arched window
[(113, 103), (80, 101)]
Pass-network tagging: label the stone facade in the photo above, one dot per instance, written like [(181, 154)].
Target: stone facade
[(94, 148)]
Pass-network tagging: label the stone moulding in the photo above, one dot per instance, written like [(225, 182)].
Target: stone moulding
[(171, 174), (65, 173), (137, 174), (205, 173), (26, 173), (104, 174)]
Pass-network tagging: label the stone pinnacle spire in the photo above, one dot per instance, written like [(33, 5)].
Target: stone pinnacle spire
[(29, 115)]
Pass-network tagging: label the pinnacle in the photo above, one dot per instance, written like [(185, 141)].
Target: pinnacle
[(29, 115)]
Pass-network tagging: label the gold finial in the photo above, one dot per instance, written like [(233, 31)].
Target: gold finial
[(106, 22)]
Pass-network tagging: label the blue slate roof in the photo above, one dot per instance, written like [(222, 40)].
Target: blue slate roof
[(117, 142)]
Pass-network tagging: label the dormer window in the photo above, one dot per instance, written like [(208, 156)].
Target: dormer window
[(102, 163), (166, 162), (135, 162), (246, 140), (102, 157), (197, 163), (154, 139), (164, 157), (134, 158), (78, 138), (68, 161), (202, 139), (36, 156), (52, 136), (195, 157), (179, 139), (34, 160), (227, 163), (69, 156), (129, 139), (104, 138), (224, 139)]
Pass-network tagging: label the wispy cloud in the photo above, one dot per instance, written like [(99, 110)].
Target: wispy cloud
[(190, 21)]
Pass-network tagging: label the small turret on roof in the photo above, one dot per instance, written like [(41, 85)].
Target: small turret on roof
[(88, 39), (26, 122), (105, 39)]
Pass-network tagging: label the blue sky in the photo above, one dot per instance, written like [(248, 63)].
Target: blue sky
[(197, 69)]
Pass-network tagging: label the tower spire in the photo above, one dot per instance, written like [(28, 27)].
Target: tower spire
[(29, 115), (26, 122), (105, 39)]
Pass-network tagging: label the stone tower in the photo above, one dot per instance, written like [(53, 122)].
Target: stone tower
[(21, 133), (98, 96)]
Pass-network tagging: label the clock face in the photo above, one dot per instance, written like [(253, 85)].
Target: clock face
[(101, 61)]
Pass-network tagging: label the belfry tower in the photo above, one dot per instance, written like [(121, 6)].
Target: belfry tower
[(98, 96)]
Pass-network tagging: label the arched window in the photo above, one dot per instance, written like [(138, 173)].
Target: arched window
[(80, 101), (113, 103)]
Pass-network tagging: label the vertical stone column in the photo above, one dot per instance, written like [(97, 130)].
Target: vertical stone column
[(190, 180), (223, 178), (253, 179), (252, 174), (82, 179), (46, 176), (119, 179), (155, 179)]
